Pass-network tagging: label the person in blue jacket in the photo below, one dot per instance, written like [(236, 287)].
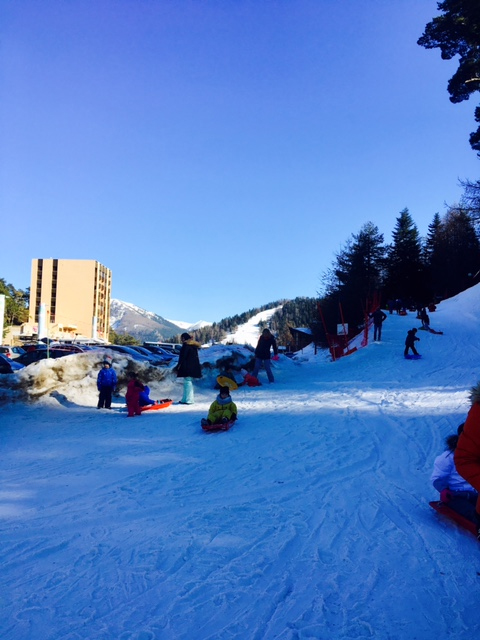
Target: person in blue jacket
[(106, 383), (145, 399), (454, 490)]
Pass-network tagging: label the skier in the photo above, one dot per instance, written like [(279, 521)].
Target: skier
[(454, 490), (467, 452), (410, 342), (106, 383), (378, 317), (188, 367), (262, 354), (222, 410)]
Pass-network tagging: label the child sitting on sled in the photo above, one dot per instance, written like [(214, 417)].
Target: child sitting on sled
[(454, 490), (144, 397), (222, 410)]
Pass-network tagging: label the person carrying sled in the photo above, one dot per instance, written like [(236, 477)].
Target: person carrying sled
[(467, 452), (378, 318), (188, 367), (106, 383), (453, 488), (262, 354), (132, 397), (410, 342), (222, 410)]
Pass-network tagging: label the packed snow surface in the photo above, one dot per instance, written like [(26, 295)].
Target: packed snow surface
[(309, 519)]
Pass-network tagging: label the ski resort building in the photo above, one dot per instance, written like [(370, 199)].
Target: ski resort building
[(69, 299)]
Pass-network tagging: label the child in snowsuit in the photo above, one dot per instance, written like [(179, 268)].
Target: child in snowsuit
[(134, 388), (467, 452), (410, 342), (222, 410), (144, 398), (454, 490), (106, 383)]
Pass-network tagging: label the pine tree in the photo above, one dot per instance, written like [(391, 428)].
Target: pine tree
[(457, 32), (406, 278)]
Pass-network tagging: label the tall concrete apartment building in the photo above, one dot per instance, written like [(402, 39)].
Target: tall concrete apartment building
[(71, 298)]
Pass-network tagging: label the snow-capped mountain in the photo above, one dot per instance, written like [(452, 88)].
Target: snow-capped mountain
[(187, 326), (126, 317)]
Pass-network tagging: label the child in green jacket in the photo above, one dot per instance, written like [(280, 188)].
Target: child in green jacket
[(222, 410)]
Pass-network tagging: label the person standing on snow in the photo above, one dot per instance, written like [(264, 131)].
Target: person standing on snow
[(262, 354), (467, 452), (453, 488), (188, 367), (410, 342), (132, 397), (106, 383), (378, 317)]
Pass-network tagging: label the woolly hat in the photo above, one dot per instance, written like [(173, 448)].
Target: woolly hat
[(225, 390), (186, 336)]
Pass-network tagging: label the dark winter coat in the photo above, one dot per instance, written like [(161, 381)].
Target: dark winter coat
[(262, 352), (188, 363), (467, 452), (378, 317), (411, 338)]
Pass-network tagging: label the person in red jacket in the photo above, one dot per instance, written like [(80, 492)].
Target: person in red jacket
[(467, 453), (134, 389)]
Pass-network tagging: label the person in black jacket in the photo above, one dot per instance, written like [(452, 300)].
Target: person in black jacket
[(262, 354), (410, 342), (378, 317), (188, 367)]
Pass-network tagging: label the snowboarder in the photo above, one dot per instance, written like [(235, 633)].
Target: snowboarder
[(106, 383), (188, 367), (222, 410), (262, 354), (454, 490), (378, 317), (134, 388), (467, 452), (410, 342)]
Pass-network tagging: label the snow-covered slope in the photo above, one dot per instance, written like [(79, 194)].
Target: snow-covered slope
[(308, 520), (249, 332)]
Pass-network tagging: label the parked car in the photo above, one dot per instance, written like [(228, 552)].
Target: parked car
[(127, 351), (12, 352), (168, 356), (68, 346), (42, 354), (155, 358), (9, 366)]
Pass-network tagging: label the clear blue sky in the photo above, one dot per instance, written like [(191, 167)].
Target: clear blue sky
[(216, 154)]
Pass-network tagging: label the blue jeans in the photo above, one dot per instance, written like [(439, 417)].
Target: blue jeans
[(268, 368), (188, 397)]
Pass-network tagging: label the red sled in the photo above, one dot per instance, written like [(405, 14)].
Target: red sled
[(224, 426), (161, 404), (445, 510)]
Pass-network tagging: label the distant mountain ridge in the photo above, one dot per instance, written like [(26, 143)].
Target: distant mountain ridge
[(143, 325)]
